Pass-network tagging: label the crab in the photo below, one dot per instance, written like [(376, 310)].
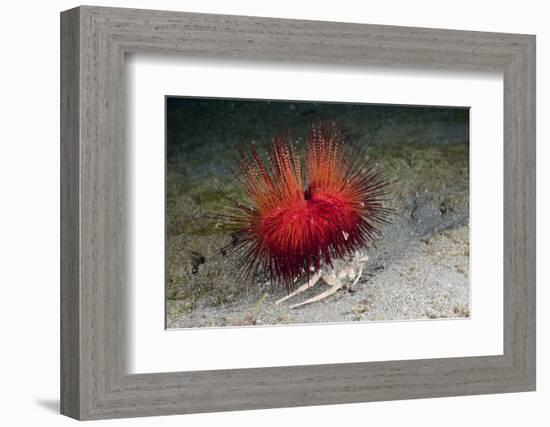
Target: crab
[(337, 276)]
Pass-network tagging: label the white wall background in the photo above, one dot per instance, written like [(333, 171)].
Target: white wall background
[(29, 214)]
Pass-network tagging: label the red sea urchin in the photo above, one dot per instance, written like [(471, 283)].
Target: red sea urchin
[(298, 218)]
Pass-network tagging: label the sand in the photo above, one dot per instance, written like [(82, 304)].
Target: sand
[(411, 274)]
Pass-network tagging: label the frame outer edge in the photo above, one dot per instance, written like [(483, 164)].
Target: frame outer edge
[(520, 216), (70, 396), (532, 137), (527, 171), (91, 365)]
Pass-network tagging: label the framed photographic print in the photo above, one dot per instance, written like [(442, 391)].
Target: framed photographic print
[(262, 213)]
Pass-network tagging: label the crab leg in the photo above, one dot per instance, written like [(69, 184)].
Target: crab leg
[(335, 285), (357, 277), (310, 283)]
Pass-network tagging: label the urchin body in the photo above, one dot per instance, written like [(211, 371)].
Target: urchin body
[(305, 214)]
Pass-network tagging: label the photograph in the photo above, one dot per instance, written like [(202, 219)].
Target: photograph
[(282, 212)]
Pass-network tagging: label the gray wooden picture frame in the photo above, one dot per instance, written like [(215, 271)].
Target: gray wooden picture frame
[(94, 382)]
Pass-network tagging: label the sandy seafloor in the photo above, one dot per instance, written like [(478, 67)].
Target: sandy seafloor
[(419, 269)]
